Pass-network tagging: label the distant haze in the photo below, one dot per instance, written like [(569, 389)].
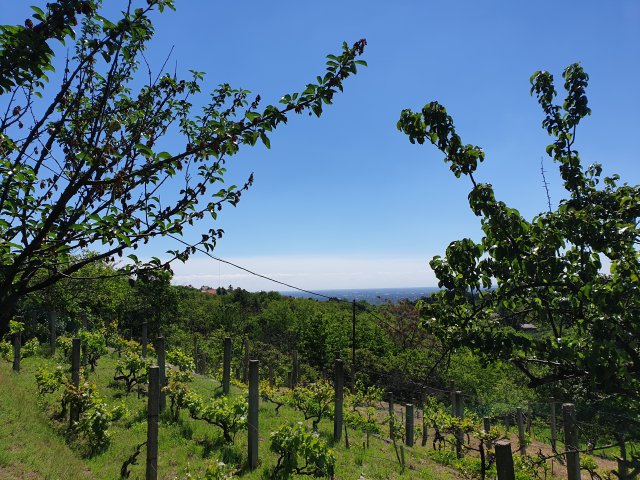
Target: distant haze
[(374, 296), (308, 272)]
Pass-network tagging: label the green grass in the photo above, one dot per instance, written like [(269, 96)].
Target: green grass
[(32, 444)]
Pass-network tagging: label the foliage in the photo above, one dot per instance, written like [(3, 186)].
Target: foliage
[(30, 348), (315, 401), (397, 433), (132, 368), (228, 414), (183, 363), (294, 444), (15, 327), (81, 161), (547, 271), (6, 350), (27, 349), (178, 392), (49, 381), (361, 412), (493, 390), (65, 346), (218, 471), (94, 345), (94, 424), (274, 395), (95, 416)]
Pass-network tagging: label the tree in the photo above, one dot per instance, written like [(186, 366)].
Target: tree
[(548, 270), (81, 162)]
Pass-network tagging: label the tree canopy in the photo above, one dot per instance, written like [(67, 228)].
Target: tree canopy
[(82, 162), (573, 271)]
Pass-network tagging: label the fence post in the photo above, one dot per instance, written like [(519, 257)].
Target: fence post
[(196, 352), (245, 363), (254, 382), (554, 432), (486, 426), (459, 412), (623, 471), (339, 396), (425, 427), (17, 345), (160, 349), (53, 320), (571, 441), (409, 424), (271, 382), (145, 339), (74, 412), (504, 461), (152, 423), (521, 440), (226, 366), (391, 412), (295, 378), (452, 393)]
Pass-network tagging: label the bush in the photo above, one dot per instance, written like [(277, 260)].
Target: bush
[(314, 401), (132, 369), (94, 345), (296, 446)]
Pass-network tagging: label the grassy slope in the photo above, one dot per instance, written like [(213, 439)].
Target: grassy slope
[(31, 444)]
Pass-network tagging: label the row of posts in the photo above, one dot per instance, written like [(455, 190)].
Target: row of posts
[(157, 403)]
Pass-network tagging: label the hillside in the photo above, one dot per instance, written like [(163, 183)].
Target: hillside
[(32, 444)]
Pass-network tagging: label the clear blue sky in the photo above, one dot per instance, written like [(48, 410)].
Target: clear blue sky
[(345, 201)]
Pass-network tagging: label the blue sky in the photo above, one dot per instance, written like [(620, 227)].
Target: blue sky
[(345, 201)]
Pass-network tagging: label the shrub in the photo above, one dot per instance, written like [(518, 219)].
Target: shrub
[(314, 401), (301, 452), (132, 369)]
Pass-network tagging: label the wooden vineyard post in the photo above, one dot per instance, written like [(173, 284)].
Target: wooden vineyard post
[(425, 426), (254, 382), (245, 363), (226, 366), (145, 339), (74, 412), (571, 441), (504, 461), (204, 363), (152, 423), (160, 349), (409, 424), (486, 426), (554, 432), (521, 440), (196, 352), (623, 470), (271, 380), (452, 393), (53, 320), (459, 412), (17, 346), (295, 377), (338, 399), (391, 414)]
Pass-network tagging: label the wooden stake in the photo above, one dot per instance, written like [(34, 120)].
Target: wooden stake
[(226, 366), (254, 382), (338, 400), (152, 423)]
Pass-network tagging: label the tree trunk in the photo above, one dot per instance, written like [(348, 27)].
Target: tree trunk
[(8, 304)]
